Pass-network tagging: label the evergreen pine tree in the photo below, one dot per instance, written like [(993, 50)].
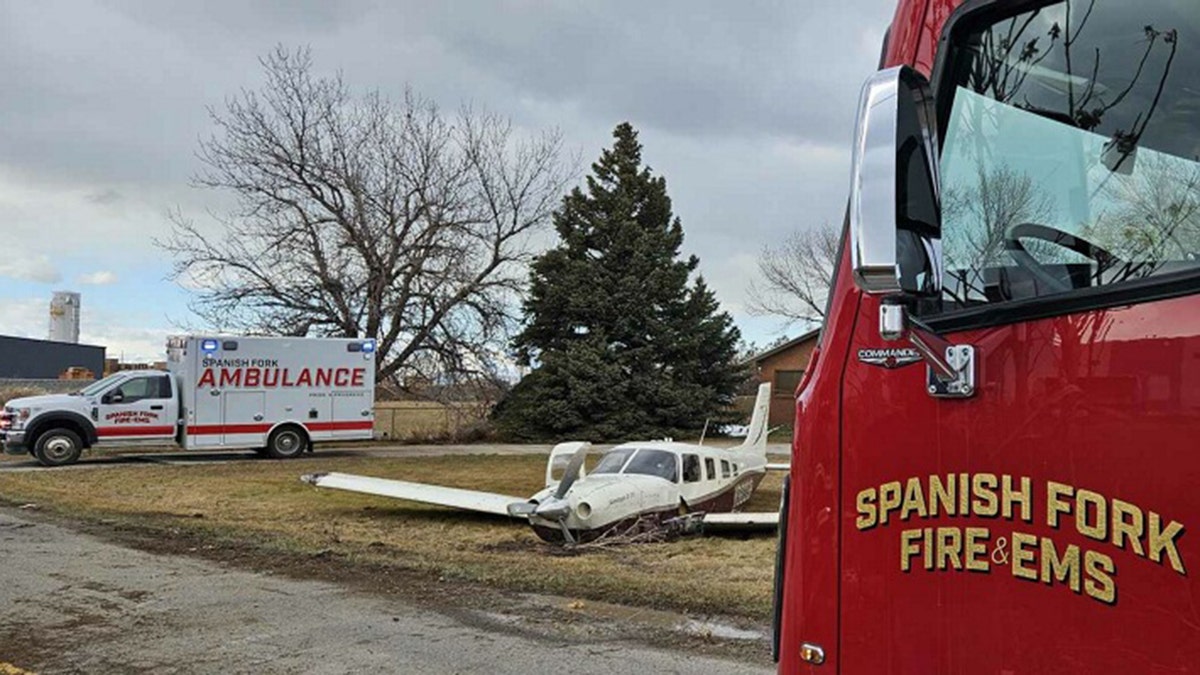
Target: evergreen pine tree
[(624, 344)]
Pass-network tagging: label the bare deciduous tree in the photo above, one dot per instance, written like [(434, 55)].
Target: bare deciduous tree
[(359, 216), (796, 275), (983, 212), (1152, 217)]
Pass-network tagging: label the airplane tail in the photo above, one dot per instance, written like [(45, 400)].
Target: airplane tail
[(756, 437)]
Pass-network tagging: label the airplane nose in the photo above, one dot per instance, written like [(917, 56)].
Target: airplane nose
[(553, 509)]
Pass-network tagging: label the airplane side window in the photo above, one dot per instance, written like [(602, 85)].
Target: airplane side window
[(691, 468), (710, 468), (735, 469), (724, 469)]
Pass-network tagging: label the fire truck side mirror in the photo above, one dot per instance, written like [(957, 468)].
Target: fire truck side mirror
[(895, 209)]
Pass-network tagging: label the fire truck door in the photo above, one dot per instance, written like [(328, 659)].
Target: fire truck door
[(1037, 521), (142, 408)]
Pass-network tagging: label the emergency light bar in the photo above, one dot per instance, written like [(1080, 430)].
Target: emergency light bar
[(366, 347)]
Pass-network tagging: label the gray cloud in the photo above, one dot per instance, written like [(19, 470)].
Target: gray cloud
[(36, 268), (104, 197), (746, 108)]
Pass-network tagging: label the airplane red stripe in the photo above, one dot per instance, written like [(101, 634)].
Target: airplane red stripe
[(135, 431), (211, 429)]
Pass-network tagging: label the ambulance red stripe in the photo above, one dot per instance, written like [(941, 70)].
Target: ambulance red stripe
[(261, 428), (130, 430)]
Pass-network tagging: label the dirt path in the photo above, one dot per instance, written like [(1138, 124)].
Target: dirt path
[(74, 603)]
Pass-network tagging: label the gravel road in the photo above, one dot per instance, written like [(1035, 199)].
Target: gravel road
[(71, 603), (119, 457)]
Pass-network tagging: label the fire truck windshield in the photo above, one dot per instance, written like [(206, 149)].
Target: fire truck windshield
[(1071, 153)]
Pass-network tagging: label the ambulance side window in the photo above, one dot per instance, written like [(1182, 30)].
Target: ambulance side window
[(164, 386), (691, 468), (136, 389)]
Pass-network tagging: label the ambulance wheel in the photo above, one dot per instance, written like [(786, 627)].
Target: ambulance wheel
[(287, 442), (58, 447)]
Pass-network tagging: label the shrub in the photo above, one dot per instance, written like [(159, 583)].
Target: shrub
[(9, 393)]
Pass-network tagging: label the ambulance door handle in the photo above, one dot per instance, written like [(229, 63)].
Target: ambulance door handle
[(214, 392), (258, 418), (156, 407)]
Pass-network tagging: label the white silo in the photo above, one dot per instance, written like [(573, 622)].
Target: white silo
[(64, 317)]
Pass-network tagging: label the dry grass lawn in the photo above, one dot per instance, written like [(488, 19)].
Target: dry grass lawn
[(265, 500)]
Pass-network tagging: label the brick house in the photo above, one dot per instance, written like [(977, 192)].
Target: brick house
[(783, 366)]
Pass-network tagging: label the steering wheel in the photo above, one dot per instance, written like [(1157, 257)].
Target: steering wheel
[(1085, 248)]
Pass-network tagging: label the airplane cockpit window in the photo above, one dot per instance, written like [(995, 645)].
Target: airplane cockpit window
[(691, 468), (710, 468), (654, 463), (613, 460), (724, 469)]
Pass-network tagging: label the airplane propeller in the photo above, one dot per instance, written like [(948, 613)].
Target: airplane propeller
[(571, 473), (555, 507)]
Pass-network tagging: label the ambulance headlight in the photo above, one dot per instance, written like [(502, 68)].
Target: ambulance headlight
[(208, 345), (17, 417)]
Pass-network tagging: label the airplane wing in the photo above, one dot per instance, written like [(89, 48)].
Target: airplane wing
[(741, 522), (469, 500), (778, 467)]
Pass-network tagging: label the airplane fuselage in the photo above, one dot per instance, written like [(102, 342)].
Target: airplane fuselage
[(648, 482)]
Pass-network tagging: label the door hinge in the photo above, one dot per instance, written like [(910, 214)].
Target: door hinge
[(811, 653), (951, 368), (960, 358)]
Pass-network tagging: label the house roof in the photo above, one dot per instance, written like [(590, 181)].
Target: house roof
[(810, 335)]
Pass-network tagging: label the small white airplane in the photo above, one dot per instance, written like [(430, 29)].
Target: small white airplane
[(648, 481)]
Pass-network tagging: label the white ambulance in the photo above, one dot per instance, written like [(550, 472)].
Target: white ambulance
[(275, 395)]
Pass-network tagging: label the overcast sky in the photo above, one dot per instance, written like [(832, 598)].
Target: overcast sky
[(746, 108)]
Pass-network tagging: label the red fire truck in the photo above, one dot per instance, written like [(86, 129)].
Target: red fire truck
[(997, 456)]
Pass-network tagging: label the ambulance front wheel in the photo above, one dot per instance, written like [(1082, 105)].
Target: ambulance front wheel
[(287, 442), (58, 447)]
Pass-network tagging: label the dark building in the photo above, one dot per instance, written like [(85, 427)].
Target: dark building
[(26, 359)]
